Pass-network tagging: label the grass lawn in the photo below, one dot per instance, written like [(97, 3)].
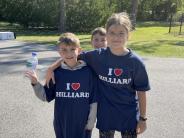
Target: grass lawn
[(149, 39), (156, 41)]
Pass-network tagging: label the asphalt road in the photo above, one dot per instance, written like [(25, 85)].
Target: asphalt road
[(22, 115)]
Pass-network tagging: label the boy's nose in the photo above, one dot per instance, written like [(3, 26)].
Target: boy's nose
[(68, 53)]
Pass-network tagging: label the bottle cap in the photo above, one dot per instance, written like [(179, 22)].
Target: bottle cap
[(34, 54)]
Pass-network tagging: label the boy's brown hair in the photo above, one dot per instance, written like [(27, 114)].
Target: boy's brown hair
[(119, 19), (69, 39), (98, 30)]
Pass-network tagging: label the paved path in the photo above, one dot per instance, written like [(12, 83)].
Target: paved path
[(24, 116)]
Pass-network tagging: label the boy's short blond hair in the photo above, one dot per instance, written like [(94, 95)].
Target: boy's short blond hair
[(98, 30), (119, 19), (68, 39)]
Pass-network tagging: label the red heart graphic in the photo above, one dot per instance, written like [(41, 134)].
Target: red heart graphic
[(75, 86), (118, 72)]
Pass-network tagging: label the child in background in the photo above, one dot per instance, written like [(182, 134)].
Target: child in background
[(98, 38), (74, 92), (122, 83)]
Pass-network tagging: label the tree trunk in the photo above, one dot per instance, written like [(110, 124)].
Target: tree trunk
[(170, 23), (181, 23), (62, 20), (133, 15)]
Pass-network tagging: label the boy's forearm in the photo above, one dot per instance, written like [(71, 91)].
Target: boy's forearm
[(142, 103), (55, 64), (92, 112), (92, 116), (39, 91)]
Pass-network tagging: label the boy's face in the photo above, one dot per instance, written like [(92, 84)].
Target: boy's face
[(69, 53), (99, 41), (117, 36)]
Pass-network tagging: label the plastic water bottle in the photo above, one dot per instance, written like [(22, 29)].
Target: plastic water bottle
[(32, 63)]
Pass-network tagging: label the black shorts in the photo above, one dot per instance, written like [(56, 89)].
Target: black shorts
[(110, 134)]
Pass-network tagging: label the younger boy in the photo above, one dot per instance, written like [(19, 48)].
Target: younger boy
[(73, 91), (98, 38)]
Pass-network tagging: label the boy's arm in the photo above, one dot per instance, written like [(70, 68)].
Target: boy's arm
[(141, 126), (56, 64), (142, 103), (43, 92), (39, 91), (93, 103), (37, 86), (92, 116), (50, 74)]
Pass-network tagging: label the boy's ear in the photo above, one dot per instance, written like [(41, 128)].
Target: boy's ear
[(129, 36), (80, 50)]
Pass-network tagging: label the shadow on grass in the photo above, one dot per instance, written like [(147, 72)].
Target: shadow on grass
[(85, 38), (86, 42), (181, 43), (151, 48), (152, 24)]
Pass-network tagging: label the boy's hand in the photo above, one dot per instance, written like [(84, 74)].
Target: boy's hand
[(141, 127), (49, 75), (89, 126), (32, 75)]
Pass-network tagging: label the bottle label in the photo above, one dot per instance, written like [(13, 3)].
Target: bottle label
[(28, 64)]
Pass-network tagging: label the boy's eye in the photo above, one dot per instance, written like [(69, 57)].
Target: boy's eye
[(121, 34), (96, 40), (111, 33)]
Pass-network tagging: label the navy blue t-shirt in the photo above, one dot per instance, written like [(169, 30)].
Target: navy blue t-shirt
[(119, 79), (73, 92)]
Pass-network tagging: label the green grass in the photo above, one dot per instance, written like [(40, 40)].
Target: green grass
[(149, 39), (52, 38), (155, 41)]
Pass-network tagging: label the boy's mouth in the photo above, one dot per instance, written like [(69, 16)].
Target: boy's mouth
[(69, 58)]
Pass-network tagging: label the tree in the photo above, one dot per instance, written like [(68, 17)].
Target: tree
[(62, 20), (134, 8), (85, 15)]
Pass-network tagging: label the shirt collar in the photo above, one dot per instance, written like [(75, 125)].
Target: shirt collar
[(80, 65)]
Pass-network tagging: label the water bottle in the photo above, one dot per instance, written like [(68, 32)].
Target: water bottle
[(32, 63)]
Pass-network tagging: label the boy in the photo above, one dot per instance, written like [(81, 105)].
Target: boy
[(98, 38), (73, 91)]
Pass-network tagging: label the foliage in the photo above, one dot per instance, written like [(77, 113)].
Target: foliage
[(82, 15), (85, 15), (158, 10), (29, 13)]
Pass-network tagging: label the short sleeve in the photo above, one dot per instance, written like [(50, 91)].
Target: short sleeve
[(88, 56), (50, 92), (141, 81), (82, 56), (93, 91)]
